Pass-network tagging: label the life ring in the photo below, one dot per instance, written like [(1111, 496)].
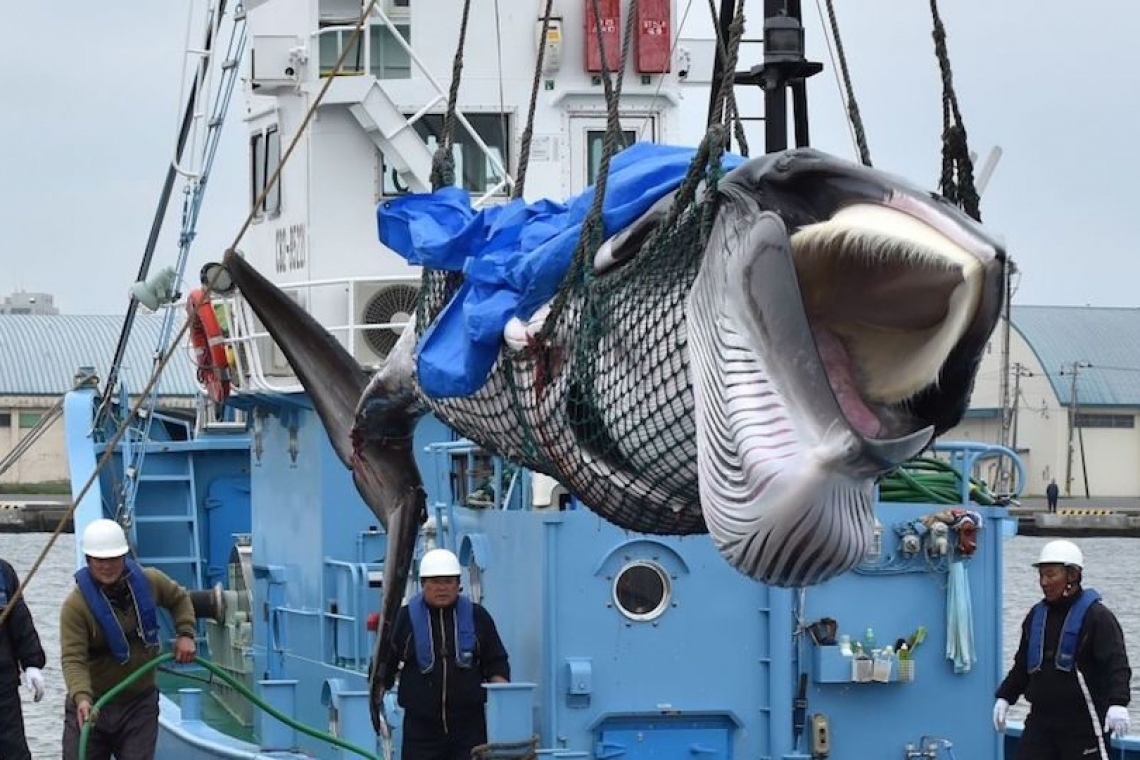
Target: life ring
[(209, 344)]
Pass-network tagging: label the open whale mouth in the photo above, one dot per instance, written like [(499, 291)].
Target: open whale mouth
[(887, 298)]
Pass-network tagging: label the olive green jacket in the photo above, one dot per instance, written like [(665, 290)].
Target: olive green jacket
[(89, 668)]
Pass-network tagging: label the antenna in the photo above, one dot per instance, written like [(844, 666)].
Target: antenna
[(987, 169)]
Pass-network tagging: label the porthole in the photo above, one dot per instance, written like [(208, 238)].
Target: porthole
[(642, 590)]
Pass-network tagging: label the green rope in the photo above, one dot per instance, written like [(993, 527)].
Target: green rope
[(84, 735), (931, 480)]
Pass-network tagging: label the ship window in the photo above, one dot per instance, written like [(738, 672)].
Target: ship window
[(272, 159), (30, 419), (1105, 421), (595, 145), (387, 58), (5, 420), (257, 169), (642, 590), (475, 170), (265, 155)]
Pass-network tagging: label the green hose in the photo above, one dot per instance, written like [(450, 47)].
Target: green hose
[(237, 685), (931, 480)]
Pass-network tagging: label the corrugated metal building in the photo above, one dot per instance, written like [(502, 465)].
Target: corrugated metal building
[(42, 355), (1074, 379)]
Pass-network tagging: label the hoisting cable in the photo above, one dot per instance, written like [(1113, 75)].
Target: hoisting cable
[(723, 109), (853, 115), (528, 131), (188, 117), (592, 225), (175, 345), (238, 686), (442, 162), (957, 183)]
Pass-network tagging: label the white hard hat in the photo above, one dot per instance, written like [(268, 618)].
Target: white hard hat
[(439, 563), (1061, 553), (104, 539)]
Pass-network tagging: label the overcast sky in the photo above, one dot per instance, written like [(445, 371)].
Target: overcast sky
[(91, 103)]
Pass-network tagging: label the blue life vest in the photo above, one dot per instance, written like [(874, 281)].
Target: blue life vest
[(1067, 645), (100, 607), (420, 615)]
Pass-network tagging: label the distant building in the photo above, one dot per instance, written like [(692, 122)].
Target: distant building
[(1074, 389), (42, 354), (28, 303)]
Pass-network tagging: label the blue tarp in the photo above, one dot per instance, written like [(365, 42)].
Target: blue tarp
[(513, 256)]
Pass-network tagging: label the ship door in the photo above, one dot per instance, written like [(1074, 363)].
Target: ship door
[(652, 742), (587, 139)]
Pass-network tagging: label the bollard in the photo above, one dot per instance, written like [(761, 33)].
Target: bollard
[(282, 697), (190, 702), (510, 712)]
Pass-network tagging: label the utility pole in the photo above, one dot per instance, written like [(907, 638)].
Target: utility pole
[(1005, 470), (1076, 367), (1019, 371)]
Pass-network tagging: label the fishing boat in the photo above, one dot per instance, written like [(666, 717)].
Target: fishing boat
[(622, 644)]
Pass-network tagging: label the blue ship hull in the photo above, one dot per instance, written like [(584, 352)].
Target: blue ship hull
[(622, 645)]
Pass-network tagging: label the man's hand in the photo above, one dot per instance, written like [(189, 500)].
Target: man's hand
[(82, 712), (185, 648), (34, 679), (1001, 709), (1117, 720)]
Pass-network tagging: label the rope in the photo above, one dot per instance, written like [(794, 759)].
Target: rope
[(33, 435), (528, 132), (238, 686), (443, 163), (852, 106), (160, 366), (957, 183)]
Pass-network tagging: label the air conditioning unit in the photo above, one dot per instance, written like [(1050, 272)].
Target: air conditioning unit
[(388, 306)]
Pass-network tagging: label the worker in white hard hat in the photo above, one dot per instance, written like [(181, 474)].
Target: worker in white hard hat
[(108, 629), (1071, 665), (446, 648)]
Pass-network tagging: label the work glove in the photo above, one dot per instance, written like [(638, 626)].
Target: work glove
[(1001, 708), (1116, 721), (34, 679)]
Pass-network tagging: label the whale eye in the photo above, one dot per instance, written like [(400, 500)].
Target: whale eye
[(642, 590)]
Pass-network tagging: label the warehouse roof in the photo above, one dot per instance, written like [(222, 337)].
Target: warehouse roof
[(42, 352)]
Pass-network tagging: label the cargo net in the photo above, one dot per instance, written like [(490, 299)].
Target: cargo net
[(600, 398)]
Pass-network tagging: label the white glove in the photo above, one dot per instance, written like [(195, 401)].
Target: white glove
[(1001, 707), (34, 679), (1117, 720)]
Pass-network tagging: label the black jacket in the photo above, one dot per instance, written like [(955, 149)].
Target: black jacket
[(19, 643), (1056, 695), (448, 690)]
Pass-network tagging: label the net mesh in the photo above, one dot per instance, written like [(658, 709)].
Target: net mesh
[(600, 400)]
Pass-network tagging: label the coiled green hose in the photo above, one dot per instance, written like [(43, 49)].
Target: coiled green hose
[(931, 480)]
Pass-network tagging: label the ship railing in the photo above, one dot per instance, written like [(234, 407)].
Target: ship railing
[(248, 341), (396, 27)]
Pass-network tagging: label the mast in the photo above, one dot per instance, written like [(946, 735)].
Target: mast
[(784, 68)]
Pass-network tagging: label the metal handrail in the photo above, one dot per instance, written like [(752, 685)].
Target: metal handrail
[(244, 332)]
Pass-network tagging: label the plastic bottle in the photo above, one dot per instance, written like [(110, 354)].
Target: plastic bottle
[(869, 640)]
